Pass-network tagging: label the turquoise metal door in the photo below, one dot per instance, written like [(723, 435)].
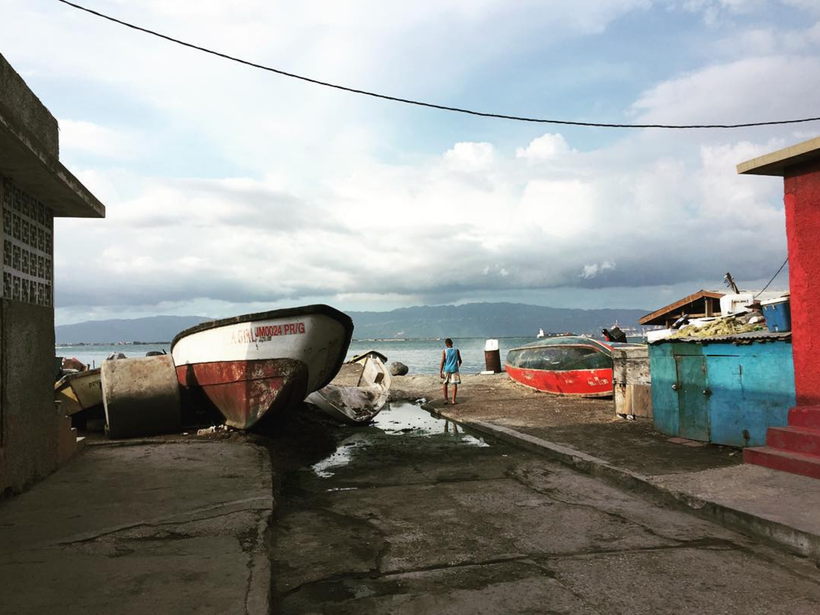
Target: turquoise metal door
[(729, 418), (693, 396), (665, 404)]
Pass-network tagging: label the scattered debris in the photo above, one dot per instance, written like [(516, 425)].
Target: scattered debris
[(73, 363), (212, 430), (729, 325)]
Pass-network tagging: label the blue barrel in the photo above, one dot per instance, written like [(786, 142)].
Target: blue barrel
[(778, 314)]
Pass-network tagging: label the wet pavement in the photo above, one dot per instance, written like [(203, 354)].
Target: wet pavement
[(412, 515)]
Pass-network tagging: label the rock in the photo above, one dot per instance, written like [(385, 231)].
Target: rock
[(398, 369), (74, 363)]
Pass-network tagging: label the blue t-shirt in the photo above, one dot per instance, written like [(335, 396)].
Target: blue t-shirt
[(450, 360)]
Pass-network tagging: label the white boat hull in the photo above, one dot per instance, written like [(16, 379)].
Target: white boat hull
[(356, 405), (251, 365), (79, 391)]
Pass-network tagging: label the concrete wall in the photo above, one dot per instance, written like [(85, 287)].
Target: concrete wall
[(802, 200), (29, 420), (20, 106)]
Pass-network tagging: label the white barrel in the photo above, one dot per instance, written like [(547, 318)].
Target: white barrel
[(141, 397), (492, 357)]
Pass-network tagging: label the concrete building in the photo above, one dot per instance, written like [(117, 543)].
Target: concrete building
[(796, 447), (34, 189)]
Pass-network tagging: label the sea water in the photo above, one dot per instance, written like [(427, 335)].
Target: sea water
[(422, 356)]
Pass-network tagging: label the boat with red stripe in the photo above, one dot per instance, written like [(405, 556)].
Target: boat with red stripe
[(253, 366), (565, 365)]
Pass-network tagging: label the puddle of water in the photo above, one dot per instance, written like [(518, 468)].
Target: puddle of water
[(409, 419), (404, 418), (397, 419), (341, 457)]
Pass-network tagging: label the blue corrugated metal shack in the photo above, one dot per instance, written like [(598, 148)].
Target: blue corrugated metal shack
[(726, 390)]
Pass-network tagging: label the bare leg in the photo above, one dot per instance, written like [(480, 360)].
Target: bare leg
[(455, 390), (444, 388)]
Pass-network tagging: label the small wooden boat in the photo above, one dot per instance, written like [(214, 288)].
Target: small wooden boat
[(254, 366), (358, 392), (369, 353), (566, 365), (79, 391)]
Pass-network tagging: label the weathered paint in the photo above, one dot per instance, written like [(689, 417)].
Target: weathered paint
[(691, 383), (316, 335), (632, 381), (722, 392), (80, 391), (359, 395), (248, 366), (245, 392), (584, 383), (802, 201)]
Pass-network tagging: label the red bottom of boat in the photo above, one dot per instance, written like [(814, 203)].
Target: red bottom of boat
[(584, 383), (246, 391)]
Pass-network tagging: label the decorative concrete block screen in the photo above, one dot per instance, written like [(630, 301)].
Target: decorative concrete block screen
[(28, 247)]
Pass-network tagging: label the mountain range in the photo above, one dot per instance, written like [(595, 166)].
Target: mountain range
[(470, 320), (152, 329), (488, 320)]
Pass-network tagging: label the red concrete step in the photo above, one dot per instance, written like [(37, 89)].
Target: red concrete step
[(805, 416), (785, 461), (794, 439)]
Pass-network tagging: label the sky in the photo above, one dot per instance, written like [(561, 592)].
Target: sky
[(231, 190)]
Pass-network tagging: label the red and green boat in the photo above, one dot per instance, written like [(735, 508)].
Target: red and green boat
[(566, 365)]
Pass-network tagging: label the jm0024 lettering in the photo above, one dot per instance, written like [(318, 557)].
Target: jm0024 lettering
[(265, 333)]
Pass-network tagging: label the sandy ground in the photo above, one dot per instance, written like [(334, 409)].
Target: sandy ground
[(588, 425), (500, 399)]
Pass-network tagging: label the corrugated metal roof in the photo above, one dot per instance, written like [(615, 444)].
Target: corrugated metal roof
[(738, 338)]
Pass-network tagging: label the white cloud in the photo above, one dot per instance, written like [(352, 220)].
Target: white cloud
[(545, 147), (748, 90), (714, 10), (430, 231), (561, 209), (244, 189), (78, 136), (810, 6), (470, 155), (595, 269)]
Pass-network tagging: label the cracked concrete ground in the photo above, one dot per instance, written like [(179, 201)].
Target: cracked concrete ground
[(149, 528), (410, 523)]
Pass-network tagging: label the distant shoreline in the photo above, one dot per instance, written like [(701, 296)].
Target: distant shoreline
[(64, 344)]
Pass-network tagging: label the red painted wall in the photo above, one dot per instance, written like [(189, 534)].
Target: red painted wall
[(802, 199)]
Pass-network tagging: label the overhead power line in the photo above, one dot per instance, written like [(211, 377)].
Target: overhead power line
[(773, 277), (418, 103)]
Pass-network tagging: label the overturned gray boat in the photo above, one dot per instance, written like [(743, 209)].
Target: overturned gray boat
[(358, 392)]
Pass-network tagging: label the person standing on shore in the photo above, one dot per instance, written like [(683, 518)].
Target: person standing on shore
[(450, 361)]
